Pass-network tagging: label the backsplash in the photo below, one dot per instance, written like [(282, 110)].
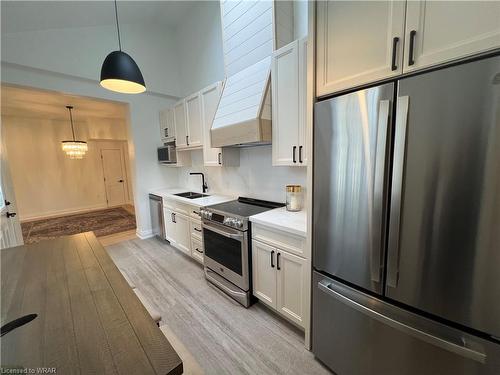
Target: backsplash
[(255, 177)]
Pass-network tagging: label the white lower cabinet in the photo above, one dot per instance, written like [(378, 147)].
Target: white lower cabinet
[(168, 219), (279, 280), (197, 249), (182, 233), (264, 272)]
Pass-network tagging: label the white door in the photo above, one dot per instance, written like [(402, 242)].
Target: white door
[(113, 167), (180, 124), (194, 125), (291, 286), (356, 43), (440, 31), (210, 97), (264, 272), (10, 229), (285, 105), (182, 233), (168, 219)]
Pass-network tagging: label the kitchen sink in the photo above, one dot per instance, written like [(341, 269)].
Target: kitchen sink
[(191, 195)]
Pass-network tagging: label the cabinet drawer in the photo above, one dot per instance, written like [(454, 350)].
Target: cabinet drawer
[(177, 206), (197, 249), (194, 212), (288, 242), (196, 230)]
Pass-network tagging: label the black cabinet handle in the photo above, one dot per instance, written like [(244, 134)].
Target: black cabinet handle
[(395, 42), (198, 250), (198, 230), (219, 158), (120, 180), (278, 262), (197, 213), (10, 214), (272, 259), (7, 203), (187, 140), (173, 218), (294, 149), (411, 59), (300, 154)]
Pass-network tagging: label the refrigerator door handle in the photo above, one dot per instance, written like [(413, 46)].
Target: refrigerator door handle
[(327, 287), (396, 193), (378, 189)]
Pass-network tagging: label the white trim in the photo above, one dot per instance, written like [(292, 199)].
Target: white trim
[(144, 234), (69, 211)]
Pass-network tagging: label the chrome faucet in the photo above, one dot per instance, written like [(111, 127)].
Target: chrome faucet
[(203, 183)]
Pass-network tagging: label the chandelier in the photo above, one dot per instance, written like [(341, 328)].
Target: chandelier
[(74, 149)]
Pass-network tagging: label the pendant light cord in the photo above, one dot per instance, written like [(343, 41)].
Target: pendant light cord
[(71, 119), (118, 27)]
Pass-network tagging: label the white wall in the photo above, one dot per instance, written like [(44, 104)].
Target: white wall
[(254, 178), (199, 41), (46, 182), (143, 128), (81, 51)]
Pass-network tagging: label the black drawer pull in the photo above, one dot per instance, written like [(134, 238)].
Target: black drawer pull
[(411, 58), (293, 151), (278, 262), (395, 42), (272, 259)]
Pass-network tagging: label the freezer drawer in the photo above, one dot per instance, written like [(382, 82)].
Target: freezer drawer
[(354, 333)]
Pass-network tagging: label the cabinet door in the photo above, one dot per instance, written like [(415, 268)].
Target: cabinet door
[(163, 123), (356, 43), (264, 272), (168, 219), (440, 31), (285, 105), (182, 233), (194, 128), (302, 153), (180, 124), (197, 249), (210, 97), (169, 123), (291, 286)]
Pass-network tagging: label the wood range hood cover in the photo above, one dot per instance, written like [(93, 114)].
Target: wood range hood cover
[(249, 30)]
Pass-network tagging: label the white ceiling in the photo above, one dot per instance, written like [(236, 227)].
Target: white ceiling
[(43, 15), (51, 105)]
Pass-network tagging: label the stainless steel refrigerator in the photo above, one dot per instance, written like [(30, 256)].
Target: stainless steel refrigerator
[(406, 231)]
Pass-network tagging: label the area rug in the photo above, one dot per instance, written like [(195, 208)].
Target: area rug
[(102, 223)]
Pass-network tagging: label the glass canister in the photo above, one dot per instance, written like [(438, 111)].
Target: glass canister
[(294, 197)]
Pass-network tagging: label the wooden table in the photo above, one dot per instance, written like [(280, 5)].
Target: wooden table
[(89, 319)]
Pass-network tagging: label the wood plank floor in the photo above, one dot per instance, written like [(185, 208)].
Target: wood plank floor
[(222, 336)]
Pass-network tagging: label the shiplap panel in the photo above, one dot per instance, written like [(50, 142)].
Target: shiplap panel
[(247, 34), (248, 31), (253, 56), (229, 6), (239, 117), (246, 47)]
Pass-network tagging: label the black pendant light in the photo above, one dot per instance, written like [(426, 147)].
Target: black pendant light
[(119, 71)]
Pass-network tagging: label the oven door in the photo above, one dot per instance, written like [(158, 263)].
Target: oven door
[(226, 253)]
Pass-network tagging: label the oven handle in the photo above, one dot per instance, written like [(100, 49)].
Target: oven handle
[(238, 236)]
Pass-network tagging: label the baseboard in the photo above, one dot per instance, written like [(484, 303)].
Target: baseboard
[(143, 234), (48, 215)]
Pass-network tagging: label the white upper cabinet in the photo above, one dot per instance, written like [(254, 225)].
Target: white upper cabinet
[(441, 31), (180, 124), (358, 42), (194, 132), (167, 128), (214, 156), (289, 80)]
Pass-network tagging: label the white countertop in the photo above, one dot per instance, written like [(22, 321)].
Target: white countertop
[(169, 193), (280, 218)]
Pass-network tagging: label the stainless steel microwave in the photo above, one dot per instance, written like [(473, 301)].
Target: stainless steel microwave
[(167, 154)]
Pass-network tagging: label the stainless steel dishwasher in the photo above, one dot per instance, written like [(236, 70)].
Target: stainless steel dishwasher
[(156, 211)]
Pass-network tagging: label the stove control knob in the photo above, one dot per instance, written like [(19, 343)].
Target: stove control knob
[(209, 215), (229, 221), (238, 224)]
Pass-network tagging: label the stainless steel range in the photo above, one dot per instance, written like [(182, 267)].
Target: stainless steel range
[(227, 242)]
